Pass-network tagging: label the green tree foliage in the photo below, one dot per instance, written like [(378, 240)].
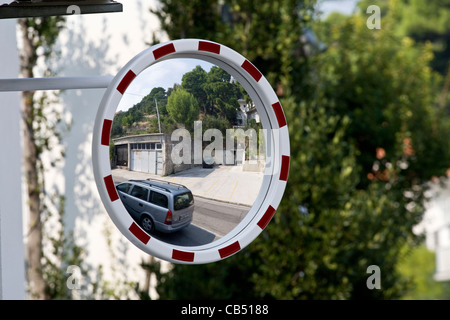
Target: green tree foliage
[(387, 88), (424, 21), (365, 135), (138, 112), (183, 108), (193, 82), (184, 18), (216, 94), (213, 122), (222, 95), (416, 264), (266, 32)]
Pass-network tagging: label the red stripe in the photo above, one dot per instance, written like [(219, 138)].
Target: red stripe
[(266, 217), (139, 233), (284, 168), (164, 50), (123, 85), (280, 114), (250, 68), (109, 183), (106, 130), (209, 46), (183, 255), (229, 250)]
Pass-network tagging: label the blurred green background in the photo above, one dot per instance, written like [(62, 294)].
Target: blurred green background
[(368, 113), (368, 116)]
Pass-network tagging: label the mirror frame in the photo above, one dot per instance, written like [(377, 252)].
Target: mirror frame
[(277, 151)]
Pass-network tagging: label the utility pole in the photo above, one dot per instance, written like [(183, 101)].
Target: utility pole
[(157, 113)]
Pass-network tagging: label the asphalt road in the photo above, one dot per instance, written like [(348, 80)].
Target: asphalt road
[(212, 220)]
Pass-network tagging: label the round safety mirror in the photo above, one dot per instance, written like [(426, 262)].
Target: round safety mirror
[(190, 151)]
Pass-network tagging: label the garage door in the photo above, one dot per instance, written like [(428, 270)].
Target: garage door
[(149, 161)]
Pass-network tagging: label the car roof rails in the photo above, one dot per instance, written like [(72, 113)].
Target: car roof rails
[(168, 182), (153, 185), (149, 182)]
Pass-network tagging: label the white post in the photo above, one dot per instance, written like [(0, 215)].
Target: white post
[(12, 254), (56, 83)]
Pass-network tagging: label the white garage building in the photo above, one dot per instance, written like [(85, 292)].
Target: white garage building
[(149, 153), (143, 153)]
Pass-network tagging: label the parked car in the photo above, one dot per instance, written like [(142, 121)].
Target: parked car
[(208, 162), (157, 205)]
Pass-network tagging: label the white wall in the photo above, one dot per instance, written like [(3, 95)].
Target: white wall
[(12, 263), (98, 45), (436, 226), (95, 44), (92, 45)]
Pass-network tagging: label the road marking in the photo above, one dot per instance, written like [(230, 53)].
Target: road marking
[(205, 192), (234, 189), (183, 180)]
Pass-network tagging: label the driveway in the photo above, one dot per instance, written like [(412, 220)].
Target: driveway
[(222, 183)]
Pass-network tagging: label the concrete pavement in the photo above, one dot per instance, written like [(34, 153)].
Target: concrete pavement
[(223, 183)]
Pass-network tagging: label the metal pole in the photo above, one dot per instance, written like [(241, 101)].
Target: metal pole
[(56, 83), (157, 113)]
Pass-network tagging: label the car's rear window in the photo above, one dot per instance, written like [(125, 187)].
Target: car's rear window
[(183, 200), (124, 187)]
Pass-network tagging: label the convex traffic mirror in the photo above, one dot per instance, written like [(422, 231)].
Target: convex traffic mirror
[(190, 151), (186, 130)]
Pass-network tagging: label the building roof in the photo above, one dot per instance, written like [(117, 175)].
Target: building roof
[(140, 138)]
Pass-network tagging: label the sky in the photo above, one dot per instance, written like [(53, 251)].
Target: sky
[(342, 6), (162, 74)]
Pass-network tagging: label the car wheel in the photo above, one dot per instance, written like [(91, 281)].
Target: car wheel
[(147, 224)]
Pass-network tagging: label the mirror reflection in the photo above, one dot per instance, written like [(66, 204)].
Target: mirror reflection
[(187, 151)]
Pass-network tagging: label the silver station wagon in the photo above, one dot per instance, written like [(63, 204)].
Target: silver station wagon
[(157, 205)]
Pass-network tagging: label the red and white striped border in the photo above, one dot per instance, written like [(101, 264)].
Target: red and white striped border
[(265, 210)]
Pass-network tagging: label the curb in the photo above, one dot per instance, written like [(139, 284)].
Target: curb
[(224, 201)]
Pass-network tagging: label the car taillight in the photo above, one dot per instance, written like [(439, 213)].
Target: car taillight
[(168, 218)]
